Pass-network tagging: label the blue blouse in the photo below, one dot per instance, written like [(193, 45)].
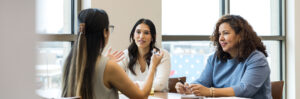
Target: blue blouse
[(249, 78)]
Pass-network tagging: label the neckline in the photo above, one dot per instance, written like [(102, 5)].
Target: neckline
[(139, 68)]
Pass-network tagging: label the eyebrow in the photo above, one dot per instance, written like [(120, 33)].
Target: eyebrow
[(223, 31), (143, 30)]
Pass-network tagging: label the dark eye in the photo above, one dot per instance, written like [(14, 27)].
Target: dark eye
[(147, 32), (138, 31), (225, 33)]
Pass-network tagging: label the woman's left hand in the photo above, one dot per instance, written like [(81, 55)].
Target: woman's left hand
[(156, 58), (199, 90), (115, 55)]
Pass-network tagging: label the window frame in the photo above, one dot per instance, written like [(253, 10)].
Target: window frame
[(70, 37)]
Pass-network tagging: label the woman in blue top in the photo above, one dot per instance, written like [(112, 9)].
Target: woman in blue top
[(238, 67)]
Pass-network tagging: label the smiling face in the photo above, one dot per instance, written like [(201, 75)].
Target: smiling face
[(142, 36), (228, 39)]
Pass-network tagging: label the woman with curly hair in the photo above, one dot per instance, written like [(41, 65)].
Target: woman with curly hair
[(238, 67)]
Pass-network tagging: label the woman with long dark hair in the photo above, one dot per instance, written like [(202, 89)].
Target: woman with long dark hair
[(138, 56), (89, 74), (239, 66)]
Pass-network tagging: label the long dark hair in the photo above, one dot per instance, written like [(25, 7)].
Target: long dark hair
[(80, 64), (133, 49), (249, 41)]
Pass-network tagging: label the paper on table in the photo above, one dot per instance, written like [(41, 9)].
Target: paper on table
[(152, 97), (225, 98), (191, 96), (122, 96)]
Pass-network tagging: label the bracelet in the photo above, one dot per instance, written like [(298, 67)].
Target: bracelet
[(212, 91)]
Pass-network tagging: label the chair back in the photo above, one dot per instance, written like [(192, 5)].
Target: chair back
[(277, 87), (172, 83)]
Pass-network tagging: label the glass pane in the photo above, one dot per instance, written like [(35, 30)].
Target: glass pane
[(189, 17), (50, 59), (273, 59), (263, 15), (53, 16), (189, 58)]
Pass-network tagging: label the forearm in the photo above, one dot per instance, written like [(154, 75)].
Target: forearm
[(159, 85), (161, 76), (222, 92), (148, 84)]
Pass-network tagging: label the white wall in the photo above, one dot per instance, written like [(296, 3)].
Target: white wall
[(124, 14), (293, 48), (17, 39)]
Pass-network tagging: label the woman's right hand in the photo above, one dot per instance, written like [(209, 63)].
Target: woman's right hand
[(116, 56), (156, 57), (182, 89)]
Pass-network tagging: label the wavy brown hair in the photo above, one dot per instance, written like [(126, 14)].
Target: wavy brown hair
[(248, 42)]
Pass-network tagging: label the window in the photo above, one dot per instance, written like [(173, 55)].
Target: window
[(53, 16), (187, 25), (264, 17), (56, 29), (185, 17), (51, 56), (188, 58)]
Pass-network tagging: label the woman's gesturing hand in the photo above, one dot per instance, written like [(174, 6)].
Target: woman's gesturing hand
[(115, 55)]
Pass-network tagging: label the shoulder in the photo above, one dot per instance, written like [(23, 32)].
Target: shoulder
[(103, 59), (256, 57), (212, 57), (166, 53), (163, 50), (111, 66), (106, 65), (111, 63)]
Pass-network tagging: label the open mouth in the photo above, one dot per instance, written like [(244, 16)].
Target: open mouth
[(141, 41), (223, 44)]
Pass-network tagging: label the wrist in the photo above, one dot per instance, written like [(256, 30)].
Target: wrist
[(152, 65), (212, 92), (153, 68)]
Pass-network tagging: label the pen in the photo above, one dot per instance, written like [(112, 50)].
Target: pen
[(186, 88), (182, 82), (156, 52)]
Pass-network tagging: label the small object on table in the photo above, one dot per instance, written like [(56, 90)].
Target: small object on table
[(152, 91), (182, 82)]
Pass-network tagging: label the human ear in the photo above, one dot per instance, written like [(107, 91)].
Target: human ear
[(105, 33)]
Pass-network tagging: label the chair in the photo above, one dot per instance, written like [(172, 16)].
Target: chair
[(172, 83), (277, 87)]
